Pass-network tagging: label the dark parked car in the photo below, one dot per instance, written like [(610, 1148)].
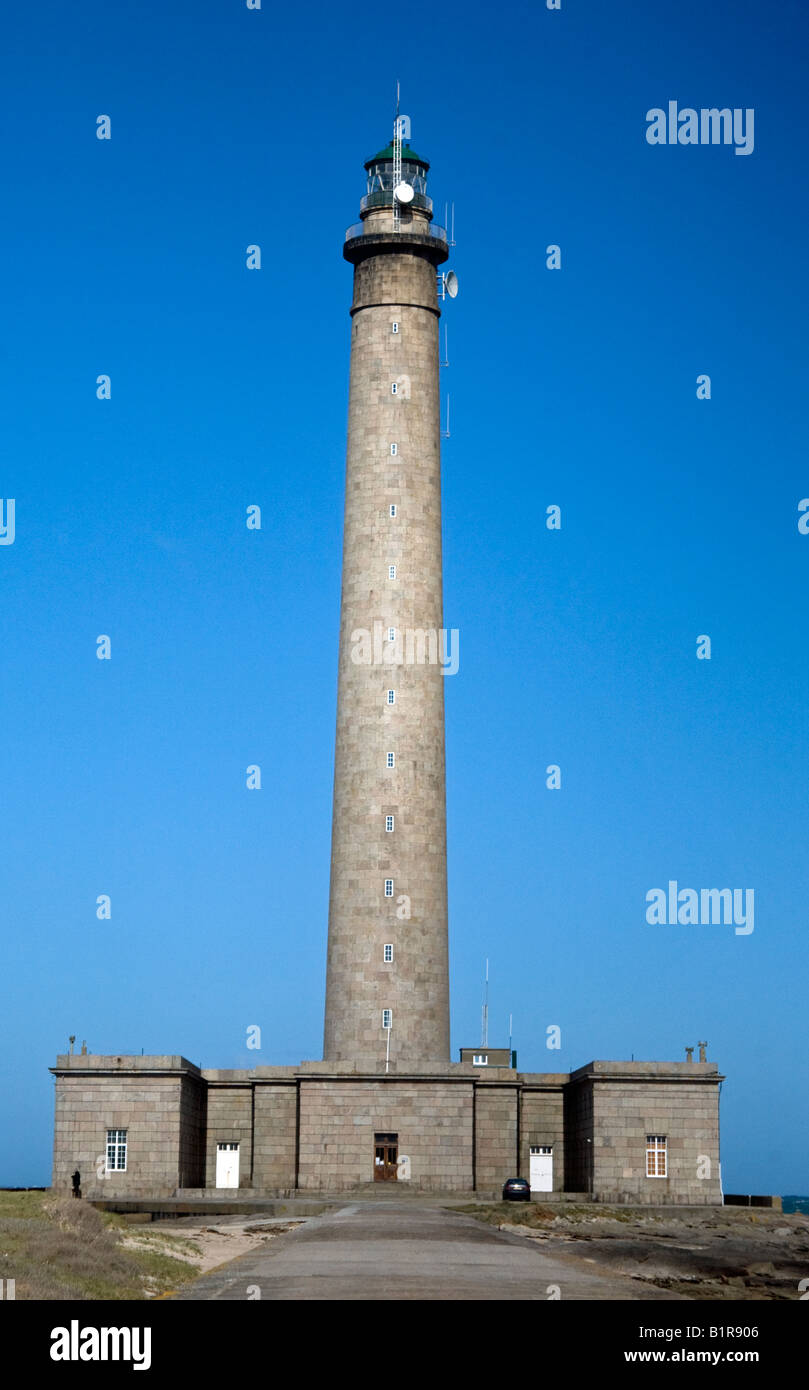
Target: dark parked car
[(517, 1190)]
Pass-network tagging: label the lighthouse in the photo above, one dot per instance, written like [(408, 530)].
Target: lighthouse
[(387, 986), (386, 1104)]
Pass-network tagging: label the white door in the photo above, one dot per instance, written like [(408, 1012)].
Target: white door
[(541, 1175), (227, 1165)]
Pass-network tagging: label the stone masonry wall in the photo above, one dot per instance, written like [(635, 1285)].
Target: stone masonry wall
[(147, 1107), (338, 1121), (230, 1120), (578, 1107), (597, 1122), (274, 1139), (193, 1122), (496, 1131), (687, 1114), (542, 1122)]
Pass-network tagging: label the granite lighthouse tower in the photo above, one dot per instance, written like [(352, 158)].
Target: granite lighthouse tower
[(387, 993)]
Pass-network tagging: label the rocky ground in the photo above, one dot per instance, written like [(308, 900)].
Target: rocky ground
[(710, 1253)]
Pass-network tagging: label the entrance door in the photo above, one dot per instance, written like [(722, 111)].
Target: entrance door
[(386, 1154), (227, 1165), (541, 1175)]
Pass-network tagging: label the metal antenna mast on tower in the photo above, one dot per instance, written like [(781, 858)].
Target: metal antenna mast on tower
[(397, 163)]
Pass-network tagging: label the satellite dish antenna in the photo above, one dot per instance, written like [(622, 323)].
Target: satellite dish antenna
[(451, 283), (403, 193)]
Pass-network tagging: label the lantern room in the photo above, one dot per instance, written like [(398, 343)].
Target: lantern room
[(380, 175)]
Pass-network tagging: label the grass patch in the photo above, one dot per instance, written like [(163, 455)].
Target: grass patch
[(22, 1204), (60, 1248)]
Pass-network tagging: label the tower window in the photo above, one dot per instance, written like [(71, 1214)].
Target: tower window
[(391, 760), (388, 887), (389, 823), (387, 1019), (394, 328), (391, 634), (391, 571), (387, 953), (394, 449), (394, 388), (656, 1156), (391, 697), (393, 508)]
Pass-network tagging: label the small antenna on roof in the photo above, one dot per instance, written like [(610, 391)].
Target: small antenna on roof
[(484, 1018)]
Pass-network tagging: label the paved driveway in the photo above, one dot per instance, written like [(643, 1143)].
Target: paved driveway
[(368, 1251)]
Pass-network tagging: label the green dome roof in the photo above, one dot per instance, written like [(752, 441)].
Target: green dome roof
[(407, 154)]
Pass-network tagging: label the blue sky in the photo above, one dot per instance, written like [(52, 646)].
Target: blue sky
[(575, 387)]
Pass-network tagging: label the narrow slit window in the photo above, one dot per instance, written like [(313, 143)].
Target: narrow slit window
[(391, 634), (393, 508), (389, 823), (391, 760), (391, 571), (391, 697), (394, 449), (394, 328), (394, 388)]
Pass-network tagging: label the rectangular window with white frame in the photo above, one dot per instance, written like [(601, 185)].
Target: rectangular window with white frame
[(387, 1019), (656, 1156), (394, 449), (388, 887), (393, 508), (391, 571), (389, 823), (391, 697), (387, 953), (391, 759), (116, 1151)]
